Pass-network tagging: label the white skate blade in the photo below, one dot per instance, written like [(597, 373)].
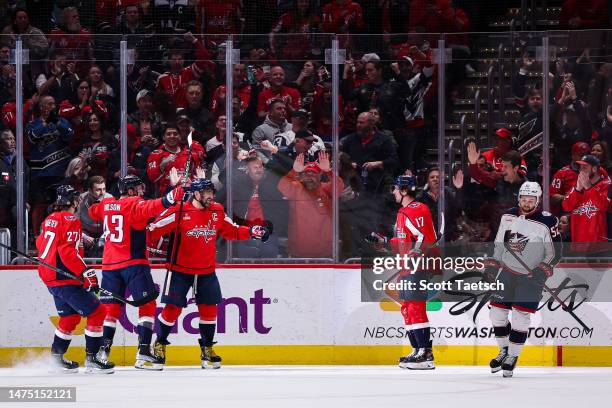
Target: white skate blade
[(403, 365), (147, 365), (92, 370), (207, 366), (496, 370), (508, 373), (426, 365)]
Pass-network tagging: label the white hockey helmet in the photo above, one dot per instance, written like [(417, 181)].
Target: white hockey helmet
[(531, 188)]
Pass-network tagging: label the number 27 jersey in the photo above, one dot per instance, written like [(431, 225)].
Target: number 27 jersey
[(125, 220)]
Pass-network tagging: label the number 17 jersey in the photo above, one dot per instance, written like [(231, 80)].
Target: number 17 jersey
[(125, 220)]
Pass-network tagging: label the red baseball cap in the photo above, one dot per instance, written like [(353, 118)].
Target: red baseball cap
[(504, 133), (68, 111), (581, 148), (313, 167)]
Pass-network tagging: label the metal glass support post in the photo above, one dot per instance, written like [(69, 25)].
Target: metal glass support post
[(545, 125), (441, 60), (336, 149), (20, 174), (123, 62), (229, 131)]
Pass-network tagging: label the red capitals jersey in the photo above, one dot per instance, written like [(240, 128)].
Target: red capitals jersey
[(564, 180), (197, 236), (59, 244), (498, 164), (75, 46), (125, 220), (414, 228), (217, 106), (588, 213), (338, 18), (178, 161), (290, 95), (218, 16)]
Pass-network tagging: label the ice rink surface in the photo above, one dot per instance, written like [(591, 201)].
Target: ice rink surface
[(324, 386)]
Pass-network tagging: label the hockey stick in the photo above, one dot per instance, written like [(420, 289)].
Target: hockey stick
[(67, 274), (173, 252), (564, 305)]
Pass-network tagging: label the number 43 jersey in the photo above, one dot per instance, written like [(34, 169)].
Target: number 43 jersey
[(59, 244), (125, 220)]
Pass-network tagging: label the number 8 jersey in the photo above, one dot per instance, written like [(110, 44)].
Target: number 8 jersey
[(125, 220), (59, 244)]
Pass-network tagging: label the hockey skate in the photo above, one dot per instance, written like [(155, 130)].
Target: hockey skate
[(104, 352), (403, 361), (159, 350), (59, 364), (496, 363), (95, 366), (210, 359), (508, 366), (146, 360), (424, 360)]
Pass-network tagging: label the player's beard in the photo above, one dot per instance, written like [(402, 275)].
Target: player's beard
[(528, 211)]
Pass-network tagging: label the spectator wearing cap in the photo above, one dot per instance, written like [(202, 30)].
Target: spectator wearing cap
[(278, 90), (588, 204), (257, 201), (502, 143), (310, 206), (201, 118), (138, 155), (72, 40), (145, 119), (565, 178), (274, 124), (299, 122), (282, 159)]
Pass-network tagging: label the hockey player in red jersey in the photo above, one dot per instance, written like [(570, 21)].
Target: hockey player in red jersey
[(414, 236), (588, 202), (192, 263), (59, 244), (125, 264)]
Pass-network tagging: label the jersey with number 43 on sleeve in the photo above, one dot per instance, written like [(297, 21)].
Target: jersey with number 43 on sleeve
[(125, 220)]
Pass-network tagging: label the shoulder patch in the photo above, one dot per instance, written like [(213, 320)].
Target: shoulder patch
[(414, 204), (70, 218)]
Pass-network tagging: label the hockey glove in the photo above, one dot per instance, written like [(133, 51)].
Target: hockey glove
[(90, 280), (260, 232), (173, 196), (542, 272), (491, 267)]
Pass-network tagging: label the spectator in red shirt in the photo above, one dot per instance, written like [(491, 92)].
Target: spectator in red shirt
[(299, 23), (278, 90), (219, 17), (241, 88), (584, 14), (565, 178), (72, 40), (342, 17), (588, 203), (310, 207)]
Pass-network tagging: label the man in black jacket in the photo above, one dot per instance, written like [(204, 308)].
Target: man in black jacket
[(8, 183), (374, 156)]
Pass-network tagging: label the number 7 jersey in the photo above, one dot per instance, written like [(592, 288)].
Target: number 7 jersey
[(125, 220)]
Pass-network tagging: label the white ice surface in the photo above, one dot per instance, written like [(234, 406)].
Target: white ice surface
[(325, 386)]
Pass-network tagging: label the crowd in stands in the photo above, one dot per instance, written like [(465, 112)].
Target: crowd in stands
[(281, 167)]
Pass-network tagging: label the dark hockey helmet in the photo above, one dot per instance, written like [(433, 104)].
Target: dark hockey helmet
[(200, 184), (66, 194), (127, 182), (404, 182)]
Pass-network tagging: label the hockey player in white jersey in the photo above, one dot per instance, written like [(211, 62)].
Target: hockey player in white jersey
[(529, 233)]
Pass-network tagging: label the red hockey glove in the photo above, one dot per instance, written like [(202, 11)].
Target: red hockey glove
[(491, 267), (173, 196), (90, 280)]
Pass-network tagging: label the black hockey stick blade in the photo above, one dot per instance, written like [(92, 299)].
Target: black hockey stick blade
[(67, 274), (564, 305)]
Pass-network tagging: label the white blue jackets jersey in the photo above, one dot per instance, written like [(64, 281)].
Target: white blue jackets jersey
[(530, 237)]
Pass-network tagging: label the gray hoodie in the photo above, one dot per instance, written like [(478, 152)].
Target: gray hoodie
[(267, 131)]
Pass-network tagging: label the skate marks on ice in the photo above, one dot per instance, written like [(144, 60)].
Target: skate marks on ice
[(324, 386)]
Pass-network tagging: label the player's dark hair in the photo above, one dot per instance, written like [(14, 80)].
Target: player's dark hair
[(513, 157), (251, 159), (169, 125), (533, 92), (275, 101)]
